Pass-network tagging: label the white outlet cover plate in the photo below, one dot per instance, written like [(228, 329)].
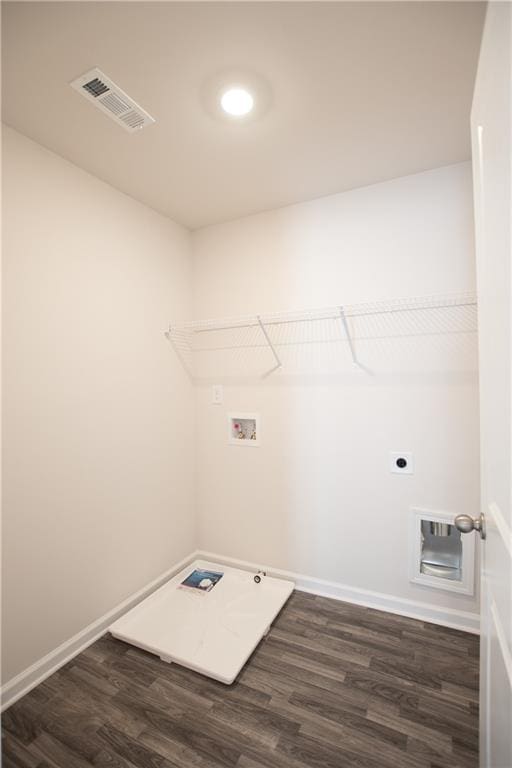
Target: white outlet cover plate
[(393, 466), (217, 394)]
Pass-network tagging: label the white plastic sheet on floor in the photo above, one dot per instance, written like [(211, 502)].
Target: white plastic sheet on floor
[(212, 632)]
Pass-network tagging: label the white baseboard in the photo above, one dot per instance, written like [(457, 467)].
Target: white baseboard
[(435, 614), (24, 682), (18, 686)]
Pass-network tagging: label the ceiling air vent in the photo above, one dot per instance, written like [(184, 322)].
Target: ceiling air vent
[(114, 102)]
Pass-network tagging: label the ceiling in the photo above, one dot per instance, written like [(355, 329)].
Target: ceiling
[(355, 93)]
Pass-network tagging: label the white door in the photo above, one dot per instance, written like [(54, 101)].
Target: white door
[(491, 136)]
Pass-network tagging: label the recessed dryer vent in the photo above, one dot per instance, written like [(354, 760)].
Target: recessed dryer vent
[(439, 556), (114, 102), (441, 550)]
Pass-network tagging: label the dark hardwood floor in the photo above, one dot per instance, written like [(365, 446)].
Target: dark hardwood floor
[(332, 685)]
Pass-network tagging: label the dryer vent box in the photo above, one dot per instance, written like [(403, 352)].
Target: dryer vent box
[(439, 557)]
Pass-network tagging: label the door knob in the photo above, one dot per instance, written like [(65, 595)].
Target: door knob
[(466, 524)]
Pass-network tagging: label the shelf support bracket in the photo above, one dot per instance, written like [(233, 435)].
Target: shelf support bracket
[(272, 348), (179, 355), (350, 340)]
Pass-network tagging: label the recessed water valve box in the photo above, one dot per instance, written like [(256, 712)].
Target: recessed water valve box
[(244, 429)]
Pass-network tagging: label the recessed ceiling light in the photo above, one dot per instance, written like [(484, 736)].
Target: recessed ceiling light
[(237, 102)]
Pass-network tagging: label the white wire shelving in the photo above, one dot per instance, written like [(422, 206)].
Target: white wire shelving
[(438, 330)]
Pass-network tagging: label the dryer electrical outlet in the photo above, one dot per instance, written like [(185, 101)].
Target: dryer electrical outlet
[(401, 462)]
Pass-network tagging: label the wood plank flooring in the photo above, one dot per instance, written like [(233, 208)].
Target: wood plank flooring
[(332, 685)]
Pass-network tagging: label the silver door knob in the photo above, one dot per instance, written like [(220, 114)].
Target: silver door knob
[(466, 524)]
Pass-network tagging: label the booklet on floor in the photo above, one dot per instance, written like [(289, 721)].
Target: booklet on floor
[(202, 581)]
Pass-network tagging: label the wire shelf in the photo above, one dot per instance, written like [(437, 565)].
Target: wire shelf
[(422, 333)]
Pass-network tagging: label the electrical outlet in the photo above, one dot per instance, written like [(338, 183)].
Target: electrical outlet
[(401, 462), (217, 394)]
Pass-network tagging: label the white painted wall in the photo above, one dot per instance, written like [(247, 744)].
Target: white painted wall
[(317, 497), (99, 478), (97, 411)]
